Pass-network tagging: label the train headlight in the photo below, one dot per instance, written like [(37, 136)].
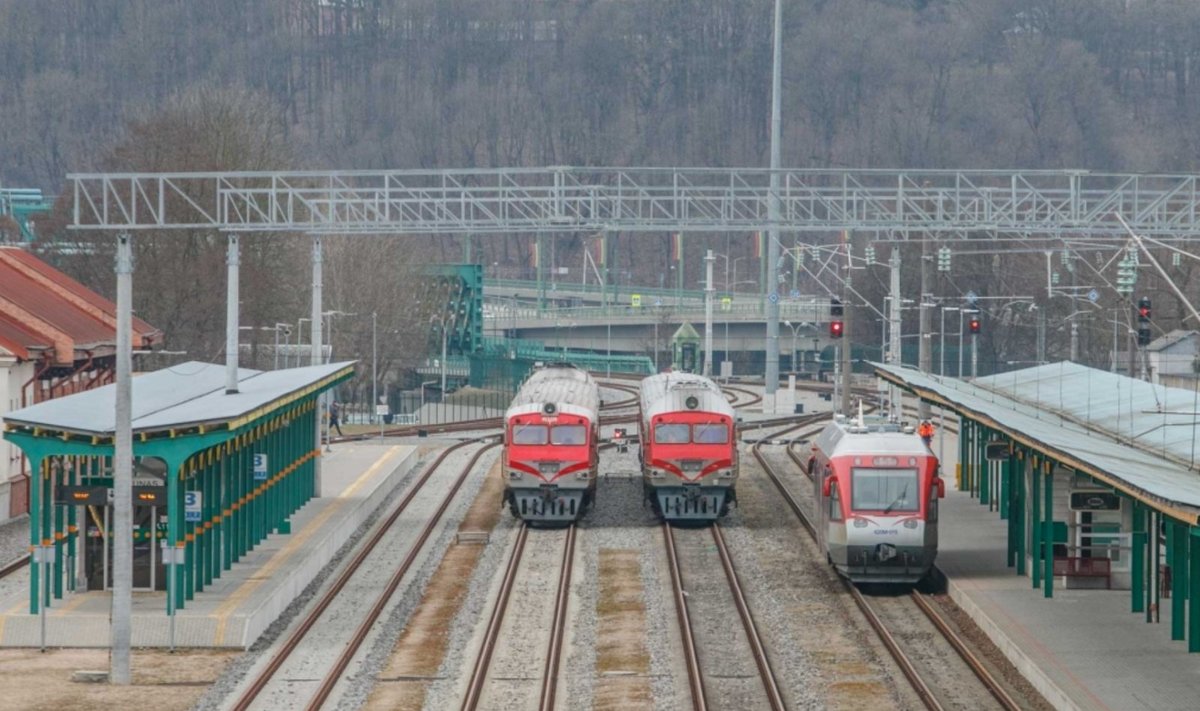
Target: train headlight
[(910, 523), (860, 523), (514, 474), (728, 474), (656, 474), (585, 474)]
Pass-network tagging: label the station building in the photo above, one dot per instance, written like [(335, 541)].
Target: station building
[(57, 338)]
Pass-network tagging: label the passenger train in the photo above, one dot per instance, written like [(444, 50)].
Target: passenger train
[(550, 435), (876, 486), (688, 447)]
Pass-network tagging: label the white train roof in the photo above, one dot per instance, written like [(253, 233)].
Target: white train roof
[(567, 387), (875, 436), (669, 392)]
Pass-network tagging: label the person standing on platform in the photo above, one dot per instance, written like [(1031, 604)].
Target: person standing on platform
[(334, 420)]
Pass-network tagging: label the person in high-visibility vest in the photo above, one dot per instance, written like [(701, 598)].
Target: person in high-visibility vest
[(926, 431)]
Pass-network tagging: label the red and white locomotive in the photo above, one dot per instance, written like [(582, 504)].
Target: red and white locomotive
[(550, 435), (688, 447), (877, 487)]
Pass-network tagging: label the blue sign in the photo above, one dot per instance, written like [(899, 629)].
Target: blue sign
[(1093, 296), (193, 503), (972, 297), (773, 297), (795, 293), (260, 467)]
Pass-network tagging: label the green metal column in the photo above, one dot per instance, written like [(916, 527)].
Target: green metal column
[(1019, 525), (1137, 564), (1035, 519), (175, 523), (35, 526), (1048, 533), (1179, 577), (212, 509), (73, 527), (1006, 490), (58, 474), (1194, 598), (189, 536), (985, 471), (1008, 509), (226, 512), (1153, 588)]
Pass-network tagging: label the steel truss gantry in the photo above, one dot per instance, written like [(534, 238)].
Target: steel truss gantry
[(565, 199)]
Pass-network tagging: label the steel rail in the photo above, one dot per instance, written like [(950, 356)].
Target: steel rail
[(770, 685), (554, 652), (967, 656), (14, 565), (483, 661), (906, 666), (360, 634), (690, 656), (273, 665)]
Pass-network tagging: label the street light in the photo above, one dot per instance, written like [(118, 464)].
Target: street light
[(795, 329), (441, 318)]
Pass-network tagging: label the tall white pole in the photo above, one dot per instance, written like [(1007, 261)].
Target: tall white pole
[(122, 596), (895, 344), (231, 316), (374, 361), (315, 326), (708, 316), (773, 215), (443, 360)]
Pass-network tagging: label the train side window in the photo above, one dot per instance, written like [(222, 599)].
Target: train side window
[(835, 503)]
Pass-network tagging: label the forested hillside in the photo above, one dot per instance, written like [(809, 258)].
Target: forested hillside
[(260, 84), (431, 83)]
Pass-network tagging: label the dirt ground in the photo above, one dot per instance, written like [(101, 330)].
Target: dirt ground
[(162, 681)]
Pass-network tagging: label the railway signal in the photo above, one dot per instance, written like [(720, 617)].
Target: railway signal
[(943, 259), (974, 325), (836, 310), (835, 329), (1143, 317)]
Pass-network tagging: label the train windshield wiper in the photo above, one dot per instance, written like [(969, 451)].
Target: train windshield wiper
[(903, 495)]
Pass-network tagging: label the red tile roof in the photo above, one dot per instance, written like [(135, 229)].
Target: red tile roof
[(42, 309)]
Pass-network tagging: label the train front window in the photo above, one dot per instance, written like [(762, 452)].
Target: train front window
[(671, 434), (886, 490), (710, 433), (529, 434), (568, 434)]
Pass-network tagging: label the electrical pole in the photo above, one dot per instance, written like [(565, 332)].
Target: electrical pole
[(231, 317), (847, 329), (708, 313), (895, 344), (924, 338), (375, 356), (315, 337), (773, 216), (122, 596)]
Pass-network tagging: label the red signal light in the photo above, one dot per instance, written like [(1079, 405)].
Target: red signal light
[(973, 325), (835, 329)]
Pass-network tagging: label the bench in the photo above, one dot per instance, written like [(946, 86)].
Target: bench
[(1075, 567)]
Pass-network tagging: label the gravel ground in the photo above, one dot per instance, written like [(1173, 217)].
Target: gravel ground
[(14, 543), (219, 695)]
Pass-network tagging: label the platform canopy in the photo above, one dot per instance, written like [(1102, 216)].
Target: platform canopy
[(1131, 435), (183, 398)]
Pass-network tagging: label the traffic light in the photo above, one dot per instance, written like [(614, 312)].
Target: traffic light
[(943, 259), (973, 325), (1143, 309), (1143, 317), (835, 329)]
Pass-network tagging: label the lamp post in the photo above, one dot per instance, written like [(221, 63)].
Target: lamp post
[(441, 319), (374, 362), (962, 312), (795, 329), (942, 347)]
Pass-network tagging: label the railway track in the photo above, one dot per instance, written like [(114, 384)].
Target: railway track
[(934, 696), (14, 565), (547, 693), (696, 684), (264, 677)]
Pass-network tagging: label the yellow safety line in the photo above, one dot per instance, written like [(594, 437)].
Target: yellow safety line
[(77, 599), (225, 609)]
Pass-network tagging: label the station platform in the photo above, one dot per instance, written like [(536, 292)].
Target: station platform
[(1082, 649), (236, 608)]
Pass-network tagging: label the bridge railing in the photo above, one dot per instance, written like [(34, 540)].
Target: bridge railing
[(807, 311)]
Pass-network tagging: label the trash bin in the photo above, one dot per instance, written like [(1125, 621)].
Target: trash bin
[(387, 419)]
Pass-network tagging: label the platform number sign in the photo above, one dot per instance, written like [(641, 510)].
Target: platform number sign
[(193, 503), (260, 467)]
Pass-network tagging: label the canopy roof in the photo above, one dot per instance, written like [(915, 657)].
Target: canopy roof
[(183, 396), (1105, 425)]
